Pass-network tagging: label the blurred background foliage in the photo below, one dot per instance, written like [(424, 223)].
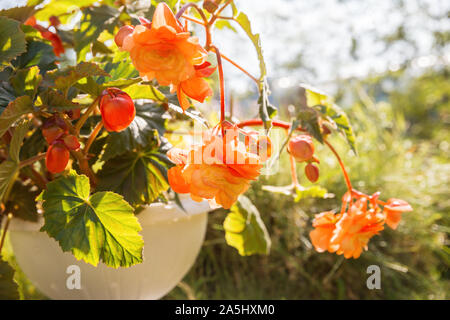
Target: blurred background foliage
[(401, 117)]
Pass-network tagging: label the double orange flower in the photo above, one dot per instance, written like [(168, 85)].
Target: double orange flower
[(164, 50), (220, 168), (349, 231)]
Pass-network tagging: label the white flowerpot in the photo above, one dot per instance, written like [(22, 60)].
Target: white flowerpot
[(172, 237)]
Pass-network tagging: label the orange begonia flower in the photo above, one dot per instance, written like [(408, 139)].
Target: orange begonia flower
[(355, 228), (324, 224), (164, 50), (219, 169), (349, 232), (393, 211)]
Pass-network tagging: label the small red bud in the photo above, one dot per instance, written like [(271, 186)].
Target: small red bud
[(71, 142), (122, 34), (57, 157), (117, 109), (301, 147), (312, 172)]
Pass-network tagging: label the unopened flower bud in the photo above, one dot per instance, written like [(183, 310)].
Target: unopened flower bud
[(312, 172), (117, 109), (122, 34), (301, 147)]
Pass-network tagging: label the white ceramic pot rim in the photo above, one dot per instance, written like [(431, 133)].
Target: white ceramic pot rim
[(154, 213)]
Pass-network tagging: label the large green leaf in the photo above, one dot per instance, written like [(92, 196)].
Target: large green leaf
[(13, 112), (26, 81), (245, 230), (323, 103), (9, 290), (94, 227), (139, 91), (7, 94), (8, 173), (139, 176), (12, 40)]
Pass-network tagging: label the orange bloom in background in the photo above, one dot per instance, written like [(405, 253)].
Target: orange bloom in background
[(164, 50), (218, 169), (393, 211), (54, 38)]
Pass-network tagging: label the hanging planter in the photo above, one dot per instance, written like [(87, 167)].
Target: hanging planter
[(173, 239)]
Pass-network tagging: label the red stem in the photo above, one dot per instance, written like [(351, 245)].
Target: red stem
[(344, 171), (259, 122)]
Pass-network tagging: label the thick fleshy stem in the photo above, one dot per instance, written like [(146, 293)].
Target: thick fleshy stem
[(31, 160), (85, 116), (92, 137)]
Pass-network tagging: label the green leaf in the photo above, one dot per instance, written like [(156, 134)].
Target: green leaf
[(26, 81), (8, 173), (38, 54), (33, 145), (324, 104), (137, 91), (9, 290), (94, 21), (245, 230), (21, 202), (12, 40), (60, 8), (314, 192), (73, 74), (140, 133), (7, 94), (94, 227), (18, 13), (54, 99), (244, 22), (139, 176), (16, 141), (120, 67), (14, 110)]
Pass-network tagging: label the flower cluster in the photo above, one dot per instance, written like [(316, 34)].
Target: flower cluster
[(164, 50), (349, 231), (220, 168)]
